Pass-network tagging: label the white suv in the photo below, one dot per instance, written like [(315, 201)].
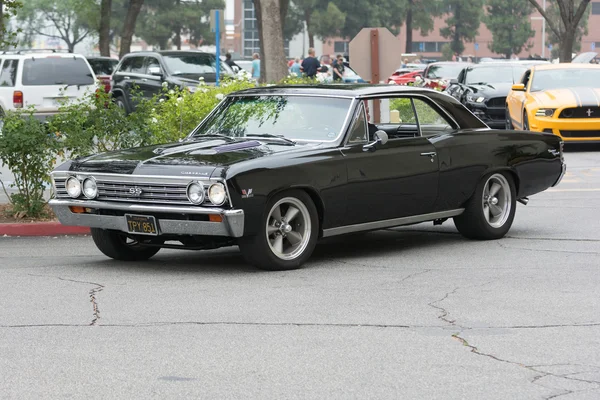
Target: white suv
[(43, 79)]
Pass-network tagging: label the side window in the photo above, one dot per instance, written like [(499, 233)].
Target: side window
[(431, 122), (137, 65), (358, 130), (125, 66), (151, 62), (394, 115), (8, 74)]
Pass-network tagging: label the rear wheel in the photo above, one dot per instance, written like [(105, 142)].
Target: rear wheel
[(490, 212), (288, 234), (120, 102), (118, 246)]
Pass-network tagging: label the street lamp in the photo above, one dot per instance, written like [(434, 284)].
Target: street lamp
[(543, 30)]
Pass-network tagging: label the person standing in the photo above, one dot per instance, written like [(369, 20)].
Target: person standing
[(310, 66), (338, 69), (295, 68), (230, 62), (256, 67)]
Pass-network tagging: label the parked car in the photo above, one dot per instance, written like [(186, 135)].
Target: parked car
[(103, 67), (43, 79), (274, 169), (350, 76), (586, 58), (563, 99), (483, 88), (406, 77), (149, 70), (437, 75)]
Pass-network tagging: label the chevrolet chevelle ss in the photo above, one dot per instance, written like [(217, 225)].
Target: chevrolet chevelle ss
[(275, 169)]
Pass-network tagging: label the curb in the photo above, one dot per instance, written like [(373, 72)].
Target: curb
[(42, 229)]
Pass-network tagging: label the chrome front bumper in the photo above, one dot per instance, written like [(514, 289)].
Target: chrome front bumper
[(232, 224)]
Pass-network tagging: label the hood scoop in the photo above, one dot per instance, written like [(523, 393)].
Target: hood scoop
[(184, 148), (229, 147)]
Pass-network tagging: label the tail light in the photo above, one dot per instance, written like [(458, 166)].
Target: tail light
[(17, 99)]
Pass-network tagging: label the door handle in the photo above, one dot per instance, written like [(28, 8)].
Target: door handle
[(144, 80), (126, 77), (430, 154)]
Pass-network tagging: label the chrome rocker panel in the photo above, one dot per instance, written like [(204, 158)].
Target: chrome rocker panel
[(232, 225)]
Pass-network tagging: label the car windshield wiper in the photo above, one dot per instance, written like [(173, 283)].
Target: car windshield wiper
[(68, 84), (270, 136), (482, 84), (211, 135)]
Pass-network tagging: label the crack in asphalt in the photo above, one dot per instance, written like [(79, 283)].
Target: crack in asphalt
[(92, 294), (443, 315), (508, 247)]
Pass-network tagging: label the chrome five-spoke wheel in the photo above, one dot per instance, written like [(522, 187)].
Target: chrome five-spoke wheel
[(288, 228), (496, 200)]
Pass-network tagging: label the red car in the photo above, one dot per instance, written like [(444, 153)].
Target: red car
[(437, 75), (405, 76)]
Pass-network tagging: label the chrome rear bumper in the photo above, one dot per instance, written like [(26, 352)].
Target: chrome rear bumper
[(562, 174), (232, 224)]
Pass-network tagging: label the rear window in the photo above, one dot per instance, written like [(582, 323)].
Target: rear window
[(447, 71), (103, 67), (8, 75), (56, 71)]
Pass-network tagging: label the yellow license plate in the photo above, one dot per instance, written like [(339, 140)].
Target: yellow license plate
[(141, 224)]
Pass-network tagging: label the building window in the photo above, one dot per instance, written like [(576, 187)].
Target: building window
[(251, 43), (340, 47), (596, 8)]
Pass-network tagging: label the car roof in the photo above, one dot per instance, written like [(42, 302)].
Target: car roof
[(101, 58), (166, 52), (339, 90), (549, 67), (451, 63)]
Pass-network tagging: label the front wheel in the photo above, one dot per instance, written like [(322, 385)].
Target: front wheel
[(525, 122), (509, 125), (288, 234), (118, 246), (490, 212)]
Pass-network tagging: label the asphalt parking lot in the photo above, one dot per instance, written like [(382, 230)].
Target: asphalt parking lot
[(415, 312)]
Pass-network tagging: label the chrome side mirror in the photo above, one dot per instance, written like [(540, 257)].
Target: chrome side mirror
[(380, 137)]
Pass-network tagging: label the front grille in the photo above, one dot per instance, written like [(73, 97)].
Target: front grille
[(496, 102), (580, 134), (147, 192), (580, 112)]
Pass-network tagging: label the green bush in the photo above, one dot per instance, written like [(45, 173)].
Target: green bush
[(29, 150)]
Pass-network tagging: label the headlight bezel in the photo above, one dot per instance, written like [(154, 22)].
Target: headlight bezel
[(545, 112), (83, 190), (473, 98), (224, 193), (79, 187), (201, 191)]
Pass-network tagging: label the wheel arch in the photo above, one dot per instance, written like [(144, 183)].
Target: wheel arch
[(314, 196), (508, 170)]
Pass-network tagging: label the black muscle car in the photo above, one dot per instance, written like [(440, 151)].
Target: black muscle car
[(483, 88), (275, 169)]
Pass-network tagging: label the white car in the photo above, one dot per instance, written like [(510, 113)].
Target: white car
[(43, 80)]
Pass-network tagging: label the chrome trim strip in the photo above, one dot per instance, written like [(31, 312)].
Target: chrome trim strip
[(113, 205), (562, 174), (287, 94), (388, 223), (132, 178)]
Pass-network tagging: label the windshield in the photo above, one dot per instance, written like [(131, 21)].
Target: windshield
[(193, 64), (57, 71), (564, 78), (447, 71), (350, 73), (294, 117), (496, 74)]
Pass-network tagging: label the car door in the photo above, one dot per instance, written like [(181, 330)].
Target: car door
[(516, 101), (128, 78), (151, 85), (397, 179)]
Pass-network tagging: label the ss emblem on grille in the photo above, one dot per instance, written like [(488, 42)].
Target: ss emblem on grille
[(135, 191)]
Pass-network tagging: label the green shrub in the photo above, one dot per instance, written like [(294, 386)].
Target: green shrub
[(29, 150), (296, 80)]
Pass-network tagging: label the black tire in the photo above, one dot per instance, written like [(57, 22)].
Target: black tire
[(260, 249), (122, 104), (114, 245), (508, 124), (525, 122), (474, 224)]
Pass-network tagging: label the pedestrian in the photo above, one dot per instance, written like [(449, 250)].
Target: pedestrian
[(404, 63), (230, 62), (310, 66), (338, 69), (255, 67), (295, 68)]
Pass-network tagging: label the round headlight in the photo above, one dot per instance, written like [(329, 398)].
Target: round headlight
[(73, 187), (195, 193), (217, 194), (90, 189)]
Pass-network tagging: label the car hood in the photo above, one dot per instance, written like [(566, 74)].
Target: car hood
[(492, 89), (198, 158), (573, 97)]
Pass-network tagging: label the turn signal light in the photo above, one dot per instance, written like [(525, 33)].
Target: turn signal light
[(17, 99), (215, 218), (77, 209)]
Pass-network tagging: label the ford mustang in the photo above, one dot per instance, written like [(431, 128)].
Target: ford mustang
[(563, 99), (275, 169)]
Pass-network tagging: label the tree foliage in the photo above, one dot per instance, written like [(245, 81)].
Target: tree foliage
[(328, 22), (420, 15), (566, 29), (67, 20), (553, 12), (462, 23), (8, 10), (367, 13), (509, 22)]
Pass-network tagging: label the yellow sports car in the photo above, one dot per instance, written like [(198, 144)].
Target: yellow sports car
[(563, 99)]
